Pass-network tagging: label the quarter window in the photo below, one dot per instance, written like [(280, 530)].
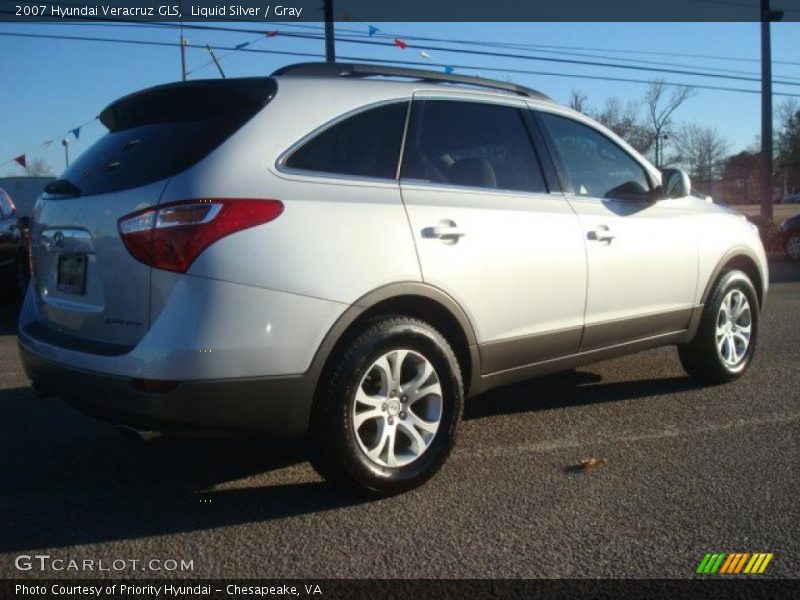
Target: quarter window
[(594, 164), (366, 144), (471, 144)]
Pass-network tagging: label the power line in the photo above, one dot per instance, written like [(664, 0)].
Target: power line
[(539, 48), (387, 61)]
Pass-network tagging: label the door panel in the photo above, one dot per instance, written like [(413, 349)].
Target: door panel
[(513, 259), (642, 280), (641, 252)]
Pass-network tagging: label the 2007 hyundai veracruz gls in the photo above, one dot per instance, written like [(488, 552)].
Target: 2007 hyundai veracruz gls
[(328, 252)]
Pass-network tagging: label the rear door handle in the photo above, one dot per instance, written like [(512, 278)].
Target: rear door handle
[(443, 232), (601, 234)]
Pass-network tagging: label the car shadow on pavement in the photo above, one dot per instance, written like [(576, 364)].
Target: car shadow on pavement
[(69, 480), (569, 388)]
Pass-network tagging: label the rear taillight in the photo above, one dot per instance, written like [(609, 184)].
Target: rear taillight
[(172, 236)]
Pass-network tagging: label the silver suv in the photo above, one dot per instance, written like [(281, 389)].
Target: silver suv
[(350, 251)]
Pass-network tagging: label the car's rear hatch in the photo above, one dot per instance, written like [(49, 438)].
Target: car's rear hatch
[(89, 288)]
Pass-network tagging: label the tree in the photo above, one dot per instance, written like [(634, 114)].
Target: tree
[(787, 161), (661, 103), (626, 122), (579, 101), (39, 168), (701, 151), (740, 174), (623, 119)]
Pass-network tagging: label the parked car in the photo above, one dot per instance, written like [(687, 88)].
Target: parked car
[(792, 199), (331, 252), (13, 274), (790, 229)]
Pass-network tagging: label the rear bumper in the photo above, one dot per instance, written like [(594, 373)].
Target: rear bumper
[(276, 405)]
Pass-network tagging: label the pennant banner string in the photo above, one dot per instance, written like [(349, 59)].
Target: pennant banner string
[(22, 158)]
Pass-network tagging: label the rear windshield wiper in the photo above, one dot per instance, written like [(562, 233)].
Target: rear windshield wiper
[(62, 186)]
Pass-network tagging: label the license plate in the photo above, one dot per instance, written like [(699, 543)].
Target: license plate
[(72, 274)]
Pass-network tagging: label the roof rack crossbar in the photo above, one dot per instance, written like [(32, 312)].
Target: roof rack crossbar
[(321, 69)]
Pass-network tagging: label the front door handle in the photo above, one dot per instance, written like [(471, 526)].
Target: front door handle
[(601, 234), (443, 232)]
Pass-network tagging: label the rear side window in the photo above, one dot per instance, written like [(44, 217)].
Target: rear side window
[(366, 145), (471, 144), (160, 132), (595, 165)]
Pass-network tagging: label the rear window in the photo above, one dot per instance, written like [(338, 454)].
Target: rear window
[(160, 132)]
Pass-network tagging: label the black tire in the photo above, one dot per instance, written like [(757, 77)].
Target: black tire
[(701, 358), (792, 244), (334, 448)]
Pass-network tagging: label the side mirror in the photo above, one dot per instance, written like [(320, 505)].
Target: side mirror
[(675, 183)]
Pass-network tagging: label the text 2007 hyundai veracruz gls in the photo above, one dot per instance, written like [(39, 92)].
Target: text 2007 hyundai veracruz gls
[(325, 251)]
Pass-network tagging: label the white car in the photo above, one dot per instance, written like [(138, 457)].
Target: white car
[(350, 251)]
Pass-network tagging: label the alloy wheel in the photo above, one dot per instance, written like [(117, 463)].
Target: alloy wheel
[(734, 323), (397, 408)]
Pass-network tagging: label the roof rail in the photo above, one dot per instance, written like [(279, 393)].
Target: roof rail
[(321, 69)]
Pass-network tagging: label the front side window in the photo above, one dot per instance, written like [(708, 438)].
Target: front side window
[(594, 164), (471, 144), (366, 144)]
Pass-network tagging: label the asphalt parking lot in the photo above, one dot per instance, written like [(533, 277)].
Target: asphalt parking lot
[(687, 470)]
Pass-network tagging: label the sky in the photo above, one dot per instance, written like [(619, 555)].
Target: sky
[(52, 86)]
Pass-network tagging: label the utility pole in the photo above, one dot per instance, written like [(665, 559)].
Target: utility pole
[(330, 48), (183, 55), (767, 190), (65, 143)]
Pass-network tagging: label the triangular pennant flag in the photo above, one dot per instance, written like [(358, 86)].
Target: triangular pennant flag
[(448, 69), (346, 16), (240, 46), (272, 33), (372, 30), (21, 160), (76, 132), (400, 43)]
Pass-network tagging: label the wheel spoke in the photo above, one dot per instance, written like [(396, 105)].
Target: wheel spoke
[(432, 389), (362, 417), (391, 457), (736, 304), (741, 308), (416, 438), (736, 351), (382, 365), (423, 375), (428, 426), (375, 452), (396, 359), (744, 339), (363, 398)]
